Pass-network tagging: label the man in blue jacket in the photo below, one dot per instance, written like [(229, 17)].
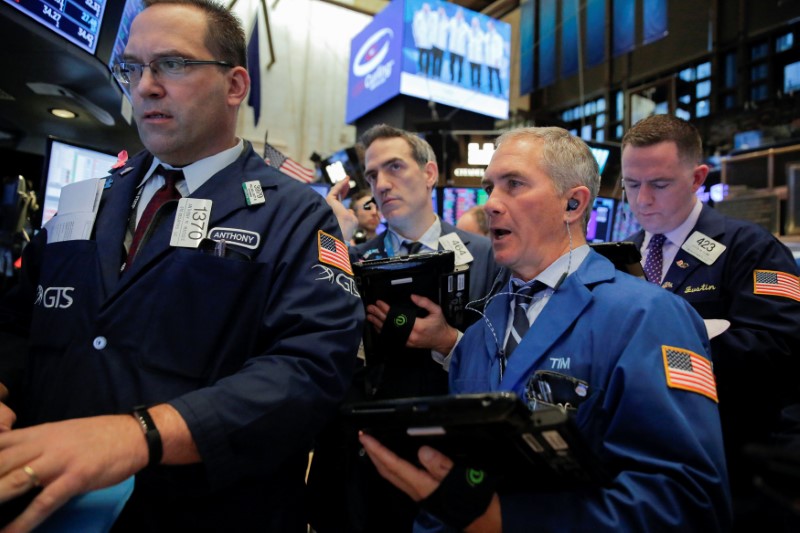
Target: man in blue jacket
[(227, 322), (736, 275), (644, 396)]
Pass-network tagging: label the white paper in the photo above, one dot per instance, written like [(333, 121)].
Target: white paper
[(715, 326), (77, 209)]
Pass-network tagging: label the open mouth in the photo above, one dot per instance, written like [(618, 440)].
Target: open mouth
[(498, 233)]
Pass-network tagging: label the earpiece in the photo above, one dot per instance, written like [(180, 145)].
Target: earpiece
[(572, 204)]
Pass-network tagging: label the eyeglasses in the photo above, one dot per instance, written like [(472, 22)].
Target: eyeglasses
[(171, 67)]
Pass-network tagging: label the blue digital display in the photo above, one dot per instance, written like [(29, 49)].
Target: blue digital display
[(601, 220), (78, 22), (432, 50), (458, 200)]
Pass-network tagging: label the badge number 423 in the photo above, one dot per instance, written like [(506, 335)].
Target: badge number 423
[(191, 222)]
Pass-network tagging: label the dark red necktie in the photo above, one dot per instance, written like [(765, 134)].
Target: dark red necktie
[(163, 195)]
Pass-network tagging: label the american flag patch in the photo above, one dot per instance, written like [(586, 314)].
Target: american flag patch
[(688, 371), (332, 251), (776, 284)]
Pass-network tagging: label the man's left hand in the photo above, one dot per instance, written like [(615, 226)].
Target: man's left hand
[(419, 484), (430, 333)]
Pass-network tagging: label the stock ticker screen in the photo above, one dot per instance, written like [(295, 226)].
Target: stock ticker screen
[(78, 21)]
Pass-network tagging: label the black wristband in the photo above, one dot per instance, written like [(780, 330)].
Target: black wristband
[(462, 496), (151, 434)]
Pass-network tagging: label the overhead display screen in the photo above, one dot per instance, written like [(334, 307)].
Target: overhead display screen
[(433, 50), (78, 21)]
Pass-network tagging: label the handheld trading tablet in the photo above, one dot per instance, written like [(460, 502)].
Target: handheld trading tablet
[(394, 280), (625, 256), (537, 450)]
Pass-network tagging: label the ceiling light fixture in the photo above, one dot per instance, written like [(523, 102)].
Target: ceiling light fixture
[(62, 113)]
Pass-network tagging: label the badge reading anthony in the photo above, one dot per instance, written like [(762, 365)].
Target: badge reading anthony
[(191, 222), (703, 247), (253, 193)]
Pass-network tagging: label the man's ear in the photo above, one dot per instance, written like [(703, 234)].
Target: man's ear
[(699, 175), (577, 203), (238, 85), (431, 170)]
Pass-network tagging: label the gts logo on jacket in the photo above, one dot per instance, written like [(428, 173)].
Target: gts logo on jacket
[(54, 297)]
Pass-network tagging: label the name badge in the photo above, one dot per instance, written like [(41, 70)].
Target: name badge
[(253, 193), (452, 241), (191, 222), (703, 247)]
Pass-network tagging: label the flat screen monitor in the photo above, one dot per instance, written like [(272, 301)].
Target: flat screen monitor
[(791, 77), (601, 220), (433, 50), (625, 223), (129, 12), (78, 22), (66, 163), (747, 139), (458, 200)]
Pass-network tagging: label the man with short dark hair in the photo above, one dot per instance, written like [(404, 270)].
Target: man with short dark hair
[(213, 301), (401, 170), (367, 214), (736, 275)]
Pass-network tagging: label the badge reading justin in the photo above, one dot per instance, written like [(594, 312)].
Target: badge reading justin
[(191, 222), (703, 247)]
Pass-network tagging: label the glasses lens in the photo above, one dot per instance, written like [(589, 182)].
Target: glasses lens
[(121, 73), (170, 65)]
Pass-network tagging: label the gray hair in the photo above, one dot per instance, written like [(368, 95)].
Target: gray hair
[(566, 159)]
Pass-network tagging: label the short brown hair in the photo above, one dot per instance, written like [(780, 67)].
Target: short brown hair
[(224, 33), (656, 129)]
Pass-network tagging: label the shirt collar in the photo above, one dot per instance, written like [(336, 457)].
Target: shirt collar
[(678, 235), (200, 171), (429, 239), (551, 276)]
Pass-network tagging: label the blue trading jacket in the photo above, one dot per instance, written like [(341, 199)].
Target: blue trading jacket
[(253, 349), (664, 444)]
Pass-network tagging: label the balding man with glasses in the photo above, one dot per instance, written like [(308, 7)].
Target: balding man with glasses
[(199, 344)]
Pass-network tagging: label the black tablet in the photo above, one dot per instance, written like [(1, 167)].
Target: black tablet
[(537, 450), (625, 256), (394, 280)]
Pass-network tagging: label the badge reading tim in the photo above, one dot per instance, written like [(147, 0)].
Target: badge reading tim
[(191, 222)]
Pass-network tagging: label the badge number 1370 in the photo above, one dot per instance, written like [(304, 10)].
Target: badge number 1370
[(191, 222)]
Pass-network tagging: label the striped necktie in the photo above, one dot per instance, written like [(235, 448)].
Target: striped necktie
[(520, 325)]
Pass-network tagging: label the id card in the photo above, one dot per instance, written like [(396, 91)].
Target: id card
[(191, 222), (453, 242), (703, 247)]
